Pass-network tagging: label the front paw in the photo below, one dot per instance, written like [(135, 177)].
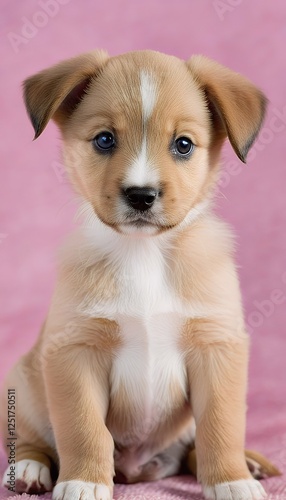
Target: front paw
[(244, 489), (30, 477), (81, 490)]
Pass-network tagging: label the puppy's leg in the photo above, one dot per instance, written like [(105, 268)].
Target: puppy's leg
[(26, 417), (217, 367), (76, 379)]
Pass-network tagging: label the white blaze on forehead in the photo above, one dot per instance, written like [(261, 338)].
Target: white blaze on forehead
[(148, 91), (141, 172)]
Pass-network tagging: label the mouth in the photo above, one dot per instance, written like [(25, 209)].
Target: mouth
[(140, 222), (140, 219)]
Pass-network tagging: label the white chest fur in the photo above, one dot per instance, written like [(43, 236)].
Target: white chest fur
[(148, 362), (150, 324), (150, 316)]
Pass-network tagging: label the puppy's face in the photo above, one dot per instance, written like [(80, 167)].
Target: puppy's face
[(143, 131), (139, 143)]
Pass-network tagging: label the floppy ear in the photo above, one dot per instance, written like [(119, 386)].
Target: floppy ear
[(55, 92), (236, 105)]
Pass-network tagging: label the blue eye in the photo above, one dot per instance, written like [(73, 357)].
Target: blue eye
[(184, 146), (104, 142)]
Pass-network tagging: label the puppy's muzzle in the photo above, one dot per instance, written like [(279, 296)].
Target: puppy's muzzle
[(140, 198)]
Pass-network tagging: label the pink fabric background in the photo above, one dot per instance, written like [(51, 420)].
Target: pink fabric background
[(36, 201)]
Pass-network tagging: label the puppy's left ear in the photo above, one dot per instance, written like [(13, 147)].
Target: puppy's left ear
[(236, 105)]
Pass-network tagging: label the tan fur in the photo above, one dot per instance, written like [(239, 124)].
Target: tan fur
[(239, 105), (217, 371), (73, 415)]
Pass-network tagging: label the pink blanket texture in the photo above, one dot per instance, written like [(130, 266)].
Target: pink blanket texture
[(37, 204)]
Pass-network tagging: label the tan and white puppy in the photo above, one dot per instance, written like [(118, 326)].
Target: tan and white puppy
[(144, 353)]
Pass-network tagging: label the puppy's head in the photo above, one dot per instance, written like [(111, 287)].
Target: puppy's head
[(143, 131)]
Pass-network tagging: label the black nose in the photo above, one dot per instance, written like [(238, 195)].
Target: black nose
[(141, 198)]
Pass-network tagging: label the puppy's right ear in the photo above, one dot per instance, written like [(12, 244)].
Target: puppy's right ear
[(55, 92)]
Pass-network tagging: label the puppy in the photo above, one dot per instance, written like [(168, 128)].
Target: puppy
[(143, 356)]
